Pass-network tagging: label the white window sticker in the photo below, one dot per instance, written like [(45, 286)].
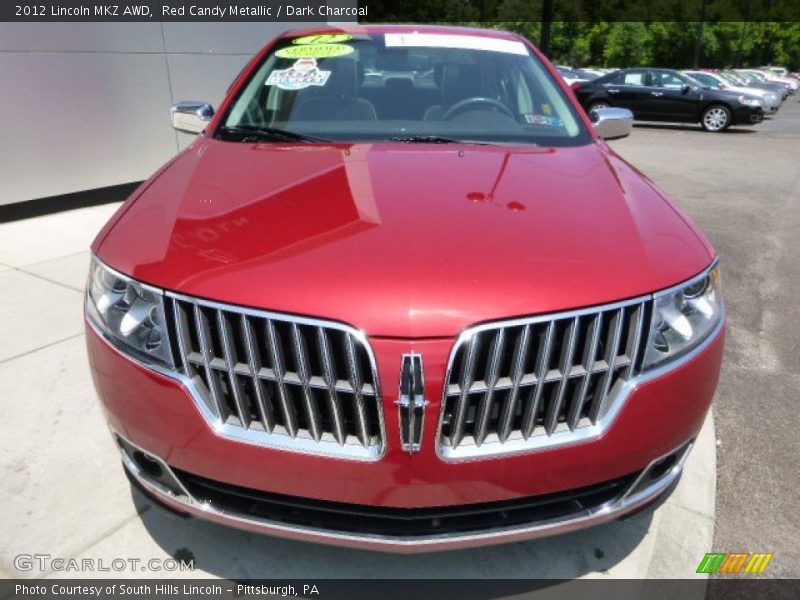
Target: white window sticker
[(302, 74), (465, 42), (546, 120), (314, 51)]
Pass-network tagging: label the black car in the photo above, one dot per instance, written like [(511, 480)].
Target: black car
[(667, 95)]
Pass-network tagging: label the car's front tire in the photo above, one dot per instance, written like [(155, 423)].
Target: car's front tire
[(716, 118)]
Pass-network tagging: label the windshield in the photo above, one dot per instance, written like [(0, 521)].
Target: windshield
[(706, 80), (733, 78), (693, 81), (406, 88)]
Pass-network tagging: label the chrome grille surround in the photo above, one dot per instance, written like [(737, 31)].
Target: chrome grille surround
[(278, 380), (540, 382)]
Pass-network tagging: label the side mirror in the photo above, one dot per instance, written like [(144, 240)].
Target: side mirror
[(191, 117), (612, 123), (686, 88)]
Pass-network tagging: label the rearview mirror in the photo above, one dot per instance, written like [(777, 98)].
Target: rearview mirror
[(686, 88), (191, 117), (612, 123)]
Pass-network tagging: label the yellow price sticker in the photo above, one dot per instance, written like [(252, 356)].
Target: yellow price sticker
[(314, 51), (323, 38)]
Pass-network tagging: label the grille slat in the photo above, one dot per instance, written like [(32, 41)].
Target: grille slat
[(463, 398), (521, 352), (590, 352), (279, 380), (330, 379), (312, 416), (542, 361), (541, 381), (632, 348), (206, 350), (492, 369), (614, 334), (354, 373), (284, 395), (255, 366), (565, 367), (240, 404)]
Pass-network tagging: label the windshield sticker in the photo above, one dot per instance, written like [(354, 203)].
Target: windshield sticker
[(462, 42), (325, 38), (545, 120), (302, 74), (314, 51)]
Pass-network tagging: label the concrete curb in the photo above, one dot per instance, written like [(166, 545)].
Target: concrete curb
[(684, 531)]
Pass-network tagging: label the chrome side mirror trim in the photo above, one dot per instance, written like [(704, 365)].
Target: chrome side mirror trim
[(191, 117), (612, 123)]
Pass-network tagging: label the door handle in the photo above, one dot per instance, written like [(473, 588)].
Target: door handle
[(613, 91), (657, 93)]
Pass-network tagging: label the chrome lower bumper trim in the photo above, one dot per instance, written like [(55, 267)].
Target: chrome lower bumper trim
[(639, 494)]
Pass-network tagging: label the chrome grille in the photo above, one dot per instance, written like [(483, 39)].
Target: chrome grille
[(278, 380), (521, 384)]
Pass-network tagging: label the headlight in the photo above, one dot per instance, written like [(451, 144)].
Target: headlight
[(683, 317), (748, 101), (129, 313)]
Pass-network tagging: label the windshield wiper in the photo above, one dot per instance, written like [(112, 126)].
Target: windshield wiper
[(435, 139), (438, 139), (248, 132), (424, 139)]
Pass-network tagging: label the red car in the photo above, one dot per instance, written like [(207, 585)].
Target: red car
[(400, 294)]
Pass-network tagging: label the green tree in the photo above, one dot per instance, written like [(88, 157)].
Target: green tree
[(628, 44)]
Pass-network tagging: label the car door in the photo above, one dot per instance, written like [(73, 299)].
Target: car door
[(673, 97), (629, 90)]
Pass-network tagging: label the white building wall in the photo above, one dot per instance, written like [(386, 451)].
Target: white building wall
[(86, 105)]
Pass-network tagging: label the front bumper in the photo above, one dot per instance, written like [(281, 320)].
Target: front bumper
[(156, 414), (748, 115), (639, 491)]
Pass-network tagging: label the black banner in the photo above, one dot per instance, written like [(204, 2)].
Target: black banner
[(180, 10), (387, 589), (407, 11)]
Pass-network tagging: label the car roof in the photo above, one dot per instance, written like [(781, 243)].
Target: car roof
[(403, 28)]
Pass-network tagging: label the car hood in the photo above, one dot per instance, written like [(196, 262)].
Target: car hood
[(400, 240), (748, 91)]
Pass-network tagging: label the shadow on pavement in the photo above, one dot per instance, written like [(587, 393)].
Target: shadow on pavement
[(234, 554), (733, 129)]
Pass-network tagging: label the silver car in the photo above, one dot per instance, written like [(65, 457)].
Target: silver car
[(769, 101)]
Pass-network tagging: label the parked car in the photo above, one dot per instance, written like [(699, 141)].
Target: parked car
[(779, 71), (667, 95), (467, 323), (791, 84), (571, 76), (740, 79), (597, 72), (782, 77), (770, 102)]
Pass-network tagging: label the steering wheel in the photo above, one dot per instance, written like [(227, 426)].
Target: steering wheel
[(462, 105)]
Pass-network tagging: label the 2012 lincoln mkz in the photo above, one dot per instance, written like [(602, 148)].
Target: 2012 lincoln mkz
[(400, 294)]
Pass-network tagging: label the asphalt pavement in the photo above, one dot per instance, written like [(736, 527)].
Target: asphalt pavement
[(743, 188)]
